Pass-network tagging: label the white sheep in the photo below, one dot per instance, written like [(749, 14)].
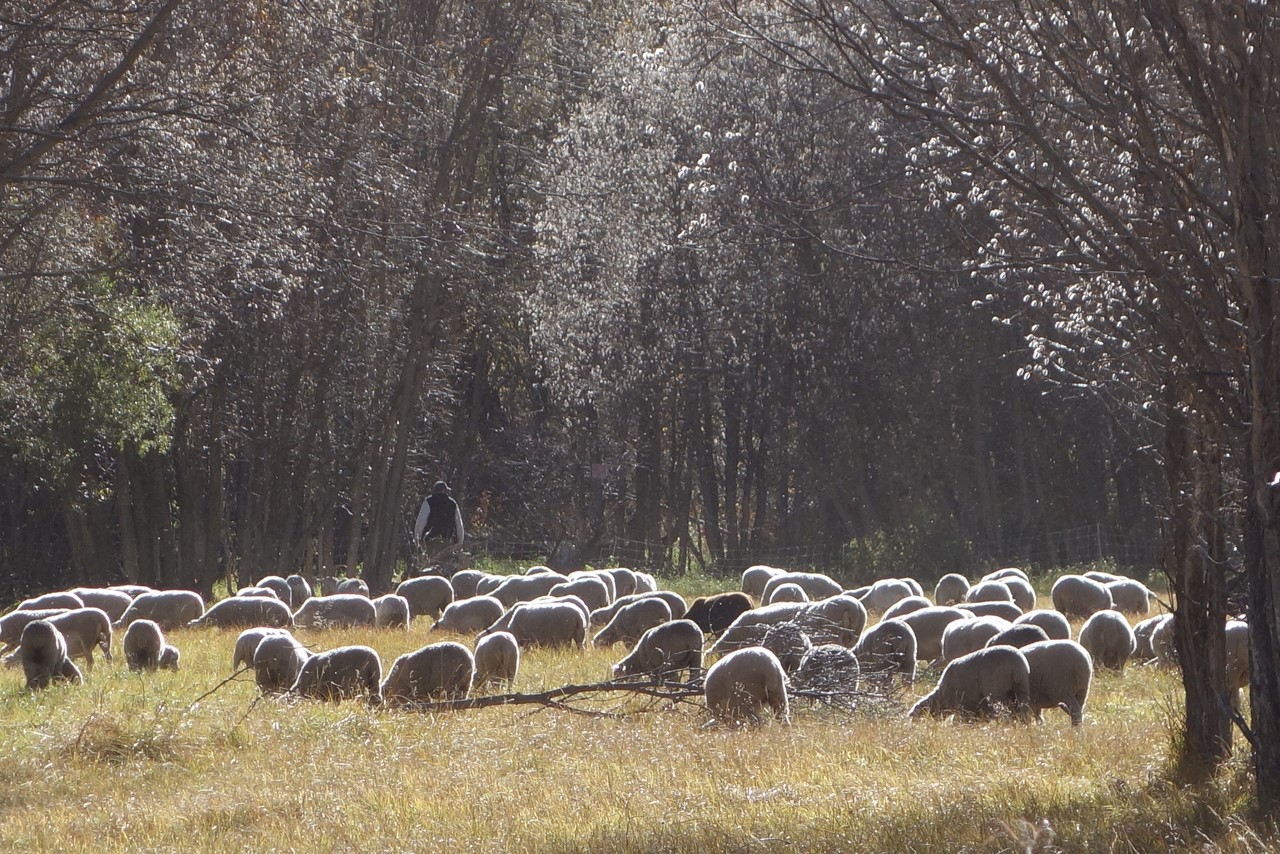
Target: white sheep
[(928, 625), (884, 593), (464, 583), (63, 599), (391, 612), (43, 653), (593, 592), (1024, 595), (602, 575), (836, 619), (646, 583), (830, 669), (133, 591), (815, 585), (497, 659), (469, 616), (550, 624), (1060, 674), (168, 609), (265, 592), (299, 590), (427, 595), (525, 588), (1018, 635), (1006, 572), (1236, 636), (280, 587), (741, 685), (888, 647), (486, 585), (326, 585), (789, 643), (965, 636), (754, 578), (1103, 577), (789, 592), (664, 651), (12, 624), (82, 630), (624, 580), (353, 587), (632, 621), (339, 674), (1077, 596), (905, 606), (1142, 650), (1054, 624), (1130, 597), (1004, 610), (237, 612), (916, 588), (442, 671), (951, 588), (247, 642), (679, 608), (989, 591), (144, 646), (749, 627), (169, 657), (112, 602), (1164, 643), (1109, 639), (981, 684), (341, 610), (277, 660)]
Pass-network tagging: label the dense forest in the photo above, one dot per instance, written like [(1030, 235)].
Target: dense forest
[(900, 286)]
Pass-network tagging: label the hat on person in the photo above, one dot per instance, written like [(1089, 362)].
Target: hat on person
[(440, 487)]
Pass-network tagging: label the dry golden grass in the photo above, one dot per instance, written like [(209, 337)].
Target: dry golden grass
[(124, 763)]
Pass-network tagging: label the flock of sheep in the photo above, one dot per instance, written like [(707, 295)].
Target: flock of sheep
[(781, 632)]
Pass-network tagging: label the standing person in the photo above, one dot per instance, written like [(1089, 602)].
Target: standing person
[(439, 522)]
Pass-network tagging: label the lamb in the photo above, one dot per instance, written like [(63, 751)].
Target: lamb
[(1077, 596), (463, 582), (754, 578), (299, 590), (664, 651), (979, 684), (814, 584), (82, 630), (591, 590), (353, 587), (549, 624), (906, 606), (168, 609), (741, 685), (524, 588), (1054, 624), (1142, 650), (145, 647), (1060, 674), (264, 592), (277, 660), (1130, 597), (829, 668), (497, 659), (632, 621), (247, 642), (64, 599), (12, 624), (427, 594), (391, 612), (341, 610), (951, 588), (1004, 610), (989, 591), (239, 612), (43, 652), (1018, 635), (343, 673), (111, 602), (468, 616), (1109, 639), (884, 593), (888, 647), (927, 625), (965, 636), (436, 671), (789, 592), (280, 587), (716, 613)]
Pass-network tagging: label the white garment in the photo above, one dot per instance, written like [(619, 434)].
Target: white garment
[(425, 513)]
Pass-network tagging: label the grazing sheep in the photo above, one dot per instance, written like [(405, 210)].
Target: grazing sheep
[(1104, 577), (1006, 572), (247, 642), (601, 575), (927, 625), (679, 609), (133, 591), (277, 660), (750, 626), (1018, 635), (1164, 643), (525, 588), (339, 674), (741, 685), (1054, 624), (1060, 674), (539, 569), (888, 647), (264, 592), (593, 592), (789, 592), (169, 657), (280, 587), (754, 578), (1237, 646), (646, 583), (549, 624), (43, 653), (1024, 595), (814, 584), (463, 582), (485, 586), (169, 609), (144, 646), (299, 590), (497, 660), (469, 616), (830, 669), (12, 624), (789, 643), (916, 589), (1130, 597), (1109, 639), (427, 594), (82, 630), (624, 581), (979, 684), (989, 591), (391, 612), (1142, 651), (836, 619), (664, 651), (885, 593), (1077, 596), (905, 606), (859, 593), (65, 599), (239, 612), (570, 599), (951, 588), (353, 587), (1003, 610), (111, 602), (632, 621), (716, 613), (965, 636), (326, 586), (341, 610), (437, 671)]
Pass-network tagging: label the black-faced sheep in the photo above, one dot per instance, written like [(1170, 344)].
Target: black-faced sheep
[(1004, 610), (989, 591), (43, 653), (339, 674), (144, 646), (981, 684), (716, 613), (497, 658), (1130, 597), (887, 648), (469, 616), (885, 593), (754, 578), (247, 642), (277, 660), (299, 590), (1060, 674), (1109, 639), (442, 671), (111, 602), (928, 625), (238, 612), (168, 609), (341, 610), (814, 584), (280, 587), (1018, 636), (1054, 624), (664, 651), (463, 582), (789, 592), (1077, 596), (741, 685), (391, 612), (965, 636), (632, 621), (47, 601), (427, 595), (353, 587), (593, 592), (951, 588), (905, 606)]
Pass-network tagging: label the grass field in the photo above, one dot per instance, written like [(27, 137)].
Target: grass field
[(127, 763)]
